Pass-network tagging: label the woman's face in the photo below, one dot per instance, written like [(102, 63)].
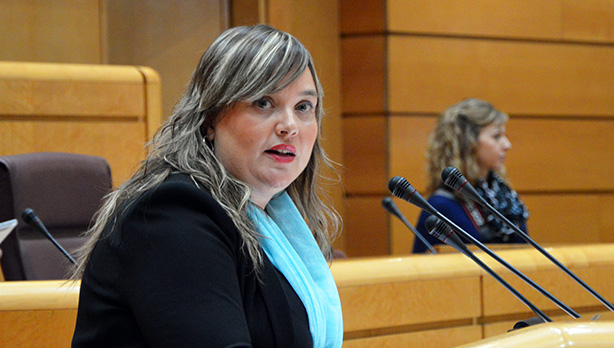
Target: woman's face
[(268, 143), (492, 147)]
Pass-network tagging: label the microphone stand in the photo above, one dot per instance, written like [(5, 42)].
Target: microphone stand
[(455, 174), (392, 208), (30, 217), (437, 229), (401, 188)]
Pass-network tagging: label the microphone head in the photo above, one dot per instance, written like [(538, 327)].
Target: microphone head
[(387, 203), (29, 216), (453, 178), (400, 187), (444, 233), (446, 172), (391, 207), (436, 228)]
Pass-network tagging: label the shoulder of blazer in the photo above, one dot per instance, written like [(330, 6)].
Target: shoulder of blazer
[(180, 187), (176, 192)]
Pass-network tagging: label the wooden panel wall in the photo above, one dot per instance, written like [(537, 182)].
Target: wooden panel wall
[(60, 31), (168, 35), (546, 63)]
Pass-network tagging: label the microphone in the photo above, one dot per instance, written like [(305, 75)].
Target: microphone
[(439, 230), (30, 217), (401, 188), (392, 208), (453, 178)]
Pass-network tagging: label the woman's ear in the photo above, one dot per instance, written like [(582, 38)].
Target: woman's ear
[(210, 133)]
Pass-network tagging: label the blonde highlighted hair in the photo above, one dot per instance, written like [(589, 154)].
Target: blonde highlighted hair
[(454, 141)]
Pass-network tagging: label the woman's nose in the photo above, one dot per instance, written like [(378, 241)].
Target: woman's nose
[(507, 144), (287, 125)]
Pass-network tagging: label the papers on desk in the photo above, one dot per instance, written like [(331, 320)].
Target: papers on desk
[(6, 227)]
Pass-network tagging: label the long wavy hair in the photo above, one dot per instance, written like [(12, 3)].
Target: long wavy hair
[(242, 65), (454, 141)]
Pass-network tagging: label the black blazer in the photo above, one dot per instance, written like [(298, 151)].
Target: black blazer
[(172, 274)]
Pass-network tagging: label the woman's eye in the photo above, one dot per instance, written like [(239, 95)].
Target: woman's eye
[(262, 103), (304, 107)]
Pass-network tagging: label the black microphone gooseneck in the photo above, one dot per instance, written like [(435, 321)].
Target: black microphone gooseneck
[(445, 234), (30, 217), (392, 208), (453, 178), (401, 188)]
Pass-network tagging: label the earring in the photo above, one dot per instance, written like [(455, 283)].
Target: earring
[(210, 144)]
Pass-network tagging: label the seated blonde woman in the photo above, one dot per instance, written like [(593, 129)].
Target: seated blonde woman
[(471, 137)]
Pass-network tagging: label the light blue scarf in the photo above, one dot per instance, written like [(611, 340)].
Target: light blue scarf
[(293, 250)]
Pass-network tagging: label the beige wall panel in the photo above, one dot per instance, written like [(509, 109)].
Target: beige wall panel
[(546, 154), (91, 137), (606, 208), (246, 12), (367, 16), (169, 36), (366, 154), (409, 303), (408, 139), (441, 338), (37, 328), (62, 31), (536, 19), (365, 227), (570, 218), (364, 76), (558, 154), (507, 18), (428, 74), (590, 20)]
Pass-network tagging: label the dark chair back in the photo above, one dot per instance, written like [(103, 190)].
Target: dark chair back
[(65, 190)]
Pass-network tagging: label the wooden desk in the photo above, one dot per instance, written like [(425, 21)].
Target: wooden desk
[(414, 301), (554, 335), (38, 313), (410, 301), (446, 300), (594, 264)]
